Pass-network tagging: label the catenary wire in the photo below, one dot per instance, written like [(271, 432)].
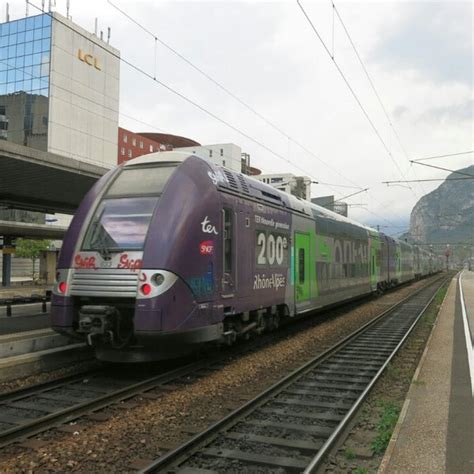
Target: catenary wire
[(444, 156), (374, 89), (374, 128), (170, 89), (203, 109), (443, 169), (228, 92)]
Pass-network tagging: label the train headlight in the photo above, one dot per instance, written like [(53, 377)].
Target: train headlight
[(154, 282), (158, 279)]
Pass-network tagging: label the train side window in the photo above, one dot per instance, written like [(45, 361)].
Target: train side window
[(228, 233), (373, 264), (301, 265)]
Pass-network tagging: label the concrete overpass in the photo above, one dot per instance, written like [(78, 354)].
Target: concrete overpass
[(35, 180), (40, 181), (31, 231)]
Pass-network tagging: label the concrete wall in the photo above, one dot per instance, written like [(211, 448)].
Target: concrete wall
[(84, 95)]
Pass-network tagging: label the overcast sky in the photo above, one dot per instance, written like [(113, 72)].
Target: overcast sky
[(418, 54)]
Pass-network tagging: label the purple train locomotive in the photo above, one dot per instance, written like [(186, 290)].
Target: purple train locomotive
[(170, 251)]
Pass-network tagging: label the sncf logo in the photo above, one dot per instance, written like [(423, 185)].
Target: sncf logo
[(206, 247), (88, 59)]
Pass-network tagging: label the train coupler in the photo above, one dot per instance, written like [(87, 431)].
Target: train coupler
[(97, 322)]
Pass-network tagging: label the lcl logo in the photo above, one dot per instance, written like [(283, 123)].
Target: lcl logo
[(88, 59)]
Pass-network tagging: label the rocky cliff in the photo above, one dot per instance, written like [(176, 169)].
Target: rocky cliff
[(447, 213)]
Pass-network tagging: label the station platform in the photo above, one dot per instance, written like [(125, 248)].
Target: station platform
[(32, 352), (28, 316), (23, 288), (435, 431)]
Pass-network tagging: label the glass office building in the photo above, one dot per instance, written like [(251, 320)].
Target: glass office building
[(59, 88), (25, 54)]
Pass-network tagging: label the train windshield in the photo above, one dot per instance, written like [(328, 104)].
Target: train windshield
[(122, 218), (121, 224)]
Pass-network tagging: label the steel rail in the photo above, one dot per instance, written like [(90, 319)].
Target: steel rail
[(324, 450), (180, 454), (77, 410), (42, 386)]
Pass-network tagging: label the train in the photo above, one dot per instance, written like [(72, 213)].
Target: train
[(169, 252)]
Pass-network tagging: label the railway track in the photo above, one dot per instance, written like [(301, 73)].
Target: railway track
[(35, 409), (292, 426)]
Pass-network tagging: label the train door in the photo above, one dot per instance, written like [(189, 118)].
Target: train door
[(229, 264), (302, 263)]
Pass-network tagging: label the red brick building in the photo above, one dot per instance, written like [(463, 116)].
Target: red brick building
[(131, 144)]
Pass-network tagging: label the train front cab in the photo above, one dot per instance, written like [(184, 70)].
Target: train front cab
[(128, 300)]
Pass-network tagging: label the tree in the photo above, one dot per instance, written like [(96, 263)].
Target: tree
[(26, 248)]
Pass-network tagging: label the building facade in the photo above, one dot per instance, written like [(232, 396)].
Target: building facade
[(59, 88), (299, 186), (329, 202), (225, 154), (132, 145)]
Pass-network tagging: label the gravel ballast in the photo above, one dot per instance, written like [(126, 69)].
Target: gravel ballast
[(147, 428)]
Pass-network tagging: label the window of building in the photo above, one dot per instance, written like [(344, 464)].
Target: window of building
[(141, 144), (151, 148), (223, 162), (222, 151), (210, 153), (134, 141), (130, 153), (25, 47), (125, 139), (122, 151)]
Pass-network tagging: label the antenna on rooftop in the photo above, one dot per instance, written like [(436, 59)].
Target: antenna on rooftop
[(101, 35), (26, 8), (8, 12), (96, 25), (108, 33), (68, 4)]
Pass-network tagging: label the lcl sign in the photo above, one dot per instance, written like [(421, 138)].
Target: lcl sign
[(88, 59)]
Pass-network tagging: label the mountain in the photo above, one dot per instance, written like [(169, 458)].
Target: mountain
[(447, 213)]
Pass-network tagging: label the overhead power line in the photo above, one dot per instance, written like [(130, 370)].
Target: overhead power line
[(443, 169), (353, 194), (443, 156), (228, 92), (341, 73), (426, 180), (371, 82), (180, 95)]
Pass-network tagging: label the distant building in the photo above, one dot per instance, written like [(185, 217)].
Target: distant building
[(225, 154), (59, 88), (328, 202), (299, 186), (132, 145)]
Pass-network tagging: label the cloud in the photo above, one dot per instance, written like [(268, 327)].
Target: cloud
[(452, 113), (433, 39)]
